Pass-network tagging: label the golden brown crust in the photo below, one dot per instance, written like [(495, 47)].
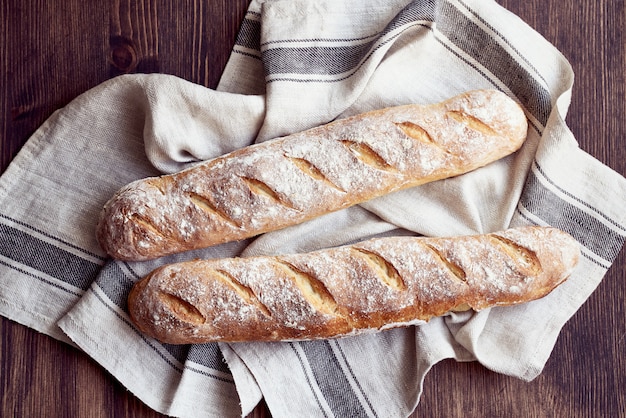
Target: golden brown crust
[(372, 285), (292, 179)]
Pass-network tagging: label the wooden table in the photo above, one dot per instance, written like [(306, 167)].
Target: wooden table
[(50, 52)]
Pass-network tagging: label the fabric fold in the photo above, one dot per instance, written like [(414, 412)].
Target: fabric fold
[(297, 64)]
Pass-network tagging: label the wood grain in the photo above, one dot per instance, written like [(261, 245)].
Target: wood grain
[(50, 52)]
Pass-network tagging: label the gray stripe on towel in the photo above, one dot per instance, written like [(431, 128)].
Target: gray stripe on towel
[(36, 254), (331, 380), (594, 235)]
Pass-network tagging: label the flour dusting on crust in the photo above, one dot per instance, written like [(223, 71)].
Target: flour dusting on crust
[(292, 179)]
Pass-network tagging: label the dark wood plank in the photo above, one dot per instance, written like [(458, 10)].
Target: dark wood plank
[(46, 61), (191, 41), (51, 52), (43, 377)]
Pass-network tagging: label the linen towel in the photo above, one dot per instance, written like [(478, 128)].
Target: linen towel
[(297, 64)]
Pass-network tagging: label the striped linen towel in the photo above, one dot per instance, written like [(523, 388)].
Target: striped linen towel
[(297, 64)]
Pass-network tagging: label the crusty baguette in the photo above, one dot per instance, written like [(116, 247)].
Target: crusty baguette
[(373, 285), (295, 178)]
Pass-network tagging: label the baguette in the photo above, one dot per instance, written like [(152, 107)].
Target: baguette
[(292, 179), (369, 286)]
